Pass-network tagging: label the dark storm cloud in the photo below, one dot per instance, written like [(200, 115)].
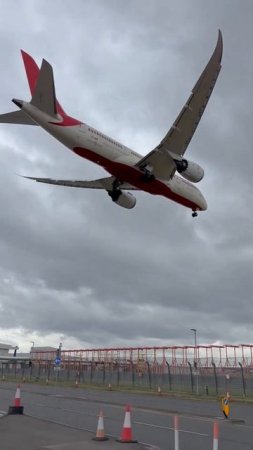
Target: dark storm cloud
[(74, 265)]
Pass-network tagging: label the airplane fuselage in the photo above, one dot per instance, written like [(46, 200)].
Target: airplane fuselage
[(114, 157)]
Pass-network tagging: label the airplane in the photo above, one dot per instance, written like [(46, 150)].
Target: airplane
[(156, 173)]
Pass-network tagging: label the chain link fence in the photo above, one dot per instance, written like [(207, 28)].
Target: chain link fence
[(179, 379)]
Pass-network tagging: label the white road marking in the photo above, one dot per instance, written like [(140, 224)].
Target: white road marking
[(56, 395), (170, 428)]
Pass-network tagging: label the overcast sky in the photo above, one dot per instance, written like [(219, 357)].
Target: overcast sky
[(76, 268)]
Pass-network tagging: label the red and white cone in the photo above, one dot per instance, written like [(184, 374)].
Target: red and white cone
[(100, 434), (17, 408), (17, 398), (126, 433)]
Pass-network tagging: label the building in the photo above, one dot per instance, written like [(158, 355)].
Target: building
[(5, 349)]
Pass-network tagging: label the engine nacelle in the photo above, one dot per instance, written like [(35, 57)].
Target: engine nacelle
[(190, 170), (124, 199)]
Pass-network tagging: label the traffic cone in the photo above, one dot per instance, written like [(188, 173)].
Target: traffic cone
[(17, 408), (126, 433), (100, 434)]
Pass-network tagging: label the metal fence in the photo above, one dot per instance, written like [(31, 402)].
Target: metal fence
[(212, 380)]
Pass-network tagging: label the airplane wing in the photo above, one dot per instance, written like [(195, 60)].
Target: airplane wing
[(102, 183), (176, 141)]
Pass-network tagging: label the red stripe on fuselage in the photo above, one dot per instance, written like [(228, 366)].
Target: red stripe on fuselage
[(133, 176)]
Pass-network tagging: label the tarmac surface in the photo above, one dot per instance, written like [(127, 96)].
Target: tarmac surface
[(27, 433), (68, 418)]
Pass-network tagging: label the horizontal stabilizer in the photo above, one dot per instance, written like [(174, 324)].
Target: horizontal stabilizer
[(17, 117)]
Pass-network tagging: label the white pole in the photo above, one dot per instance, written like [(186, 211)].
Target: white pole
[(176, 432), (215, 436)]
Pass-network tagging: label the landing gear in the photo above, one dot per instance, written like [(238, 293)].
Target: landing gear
[(147, 173), (147, 176), (194, 214), (115, 192)]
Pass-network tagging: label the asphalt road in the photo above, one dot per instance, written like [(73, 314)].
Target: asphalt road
[(152, 416)]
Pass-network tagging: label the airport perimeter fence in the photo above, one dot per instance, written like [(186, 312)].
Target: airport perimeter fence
[(238, 381)]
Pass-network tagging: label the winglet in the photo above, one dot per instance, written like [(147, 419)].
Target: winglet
[(214, 63)]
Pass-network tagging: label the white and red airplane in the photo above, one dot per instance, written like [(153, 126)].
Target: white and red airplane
[(154, 173)]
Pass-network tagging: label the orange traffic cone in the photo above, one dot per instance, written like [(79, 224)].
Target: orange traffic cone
[(100, 434), (17, 408), (126, 433)]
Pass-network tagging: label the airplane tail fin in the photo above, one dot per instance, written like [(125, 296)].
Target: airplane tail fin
[(41, 83), (43, 96)]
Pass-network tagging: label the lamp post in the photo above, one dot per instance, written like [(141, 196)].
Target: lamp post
[(195, 344), (195, 359)]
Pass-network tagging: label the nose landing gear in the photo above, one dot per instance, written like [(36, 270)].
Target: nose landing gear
[(194, 214)]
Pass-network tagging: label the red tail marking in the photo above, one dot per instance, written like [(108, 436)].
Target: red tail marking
[(32, 73), (32, 70)]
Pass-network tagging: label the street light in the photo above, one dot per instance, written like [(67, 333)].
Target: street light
[(195, 345)]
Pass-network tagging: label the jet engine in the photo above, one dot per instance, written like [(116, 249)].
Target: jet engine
[(124, 199), (190, 170)]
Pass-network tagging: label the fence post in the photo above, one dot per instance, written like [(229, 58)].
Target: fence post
[(103, 372), (169, 374), (191, 376), (132, 368), (118, 374), (48, 371), (176, 432), (215, 377), (91, 372), (243, 380), (149, 375)]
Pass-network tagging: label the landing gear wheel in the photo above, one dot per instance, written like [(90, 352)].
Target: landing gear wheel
[(115, 194), (194, 214), (147, 176)]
